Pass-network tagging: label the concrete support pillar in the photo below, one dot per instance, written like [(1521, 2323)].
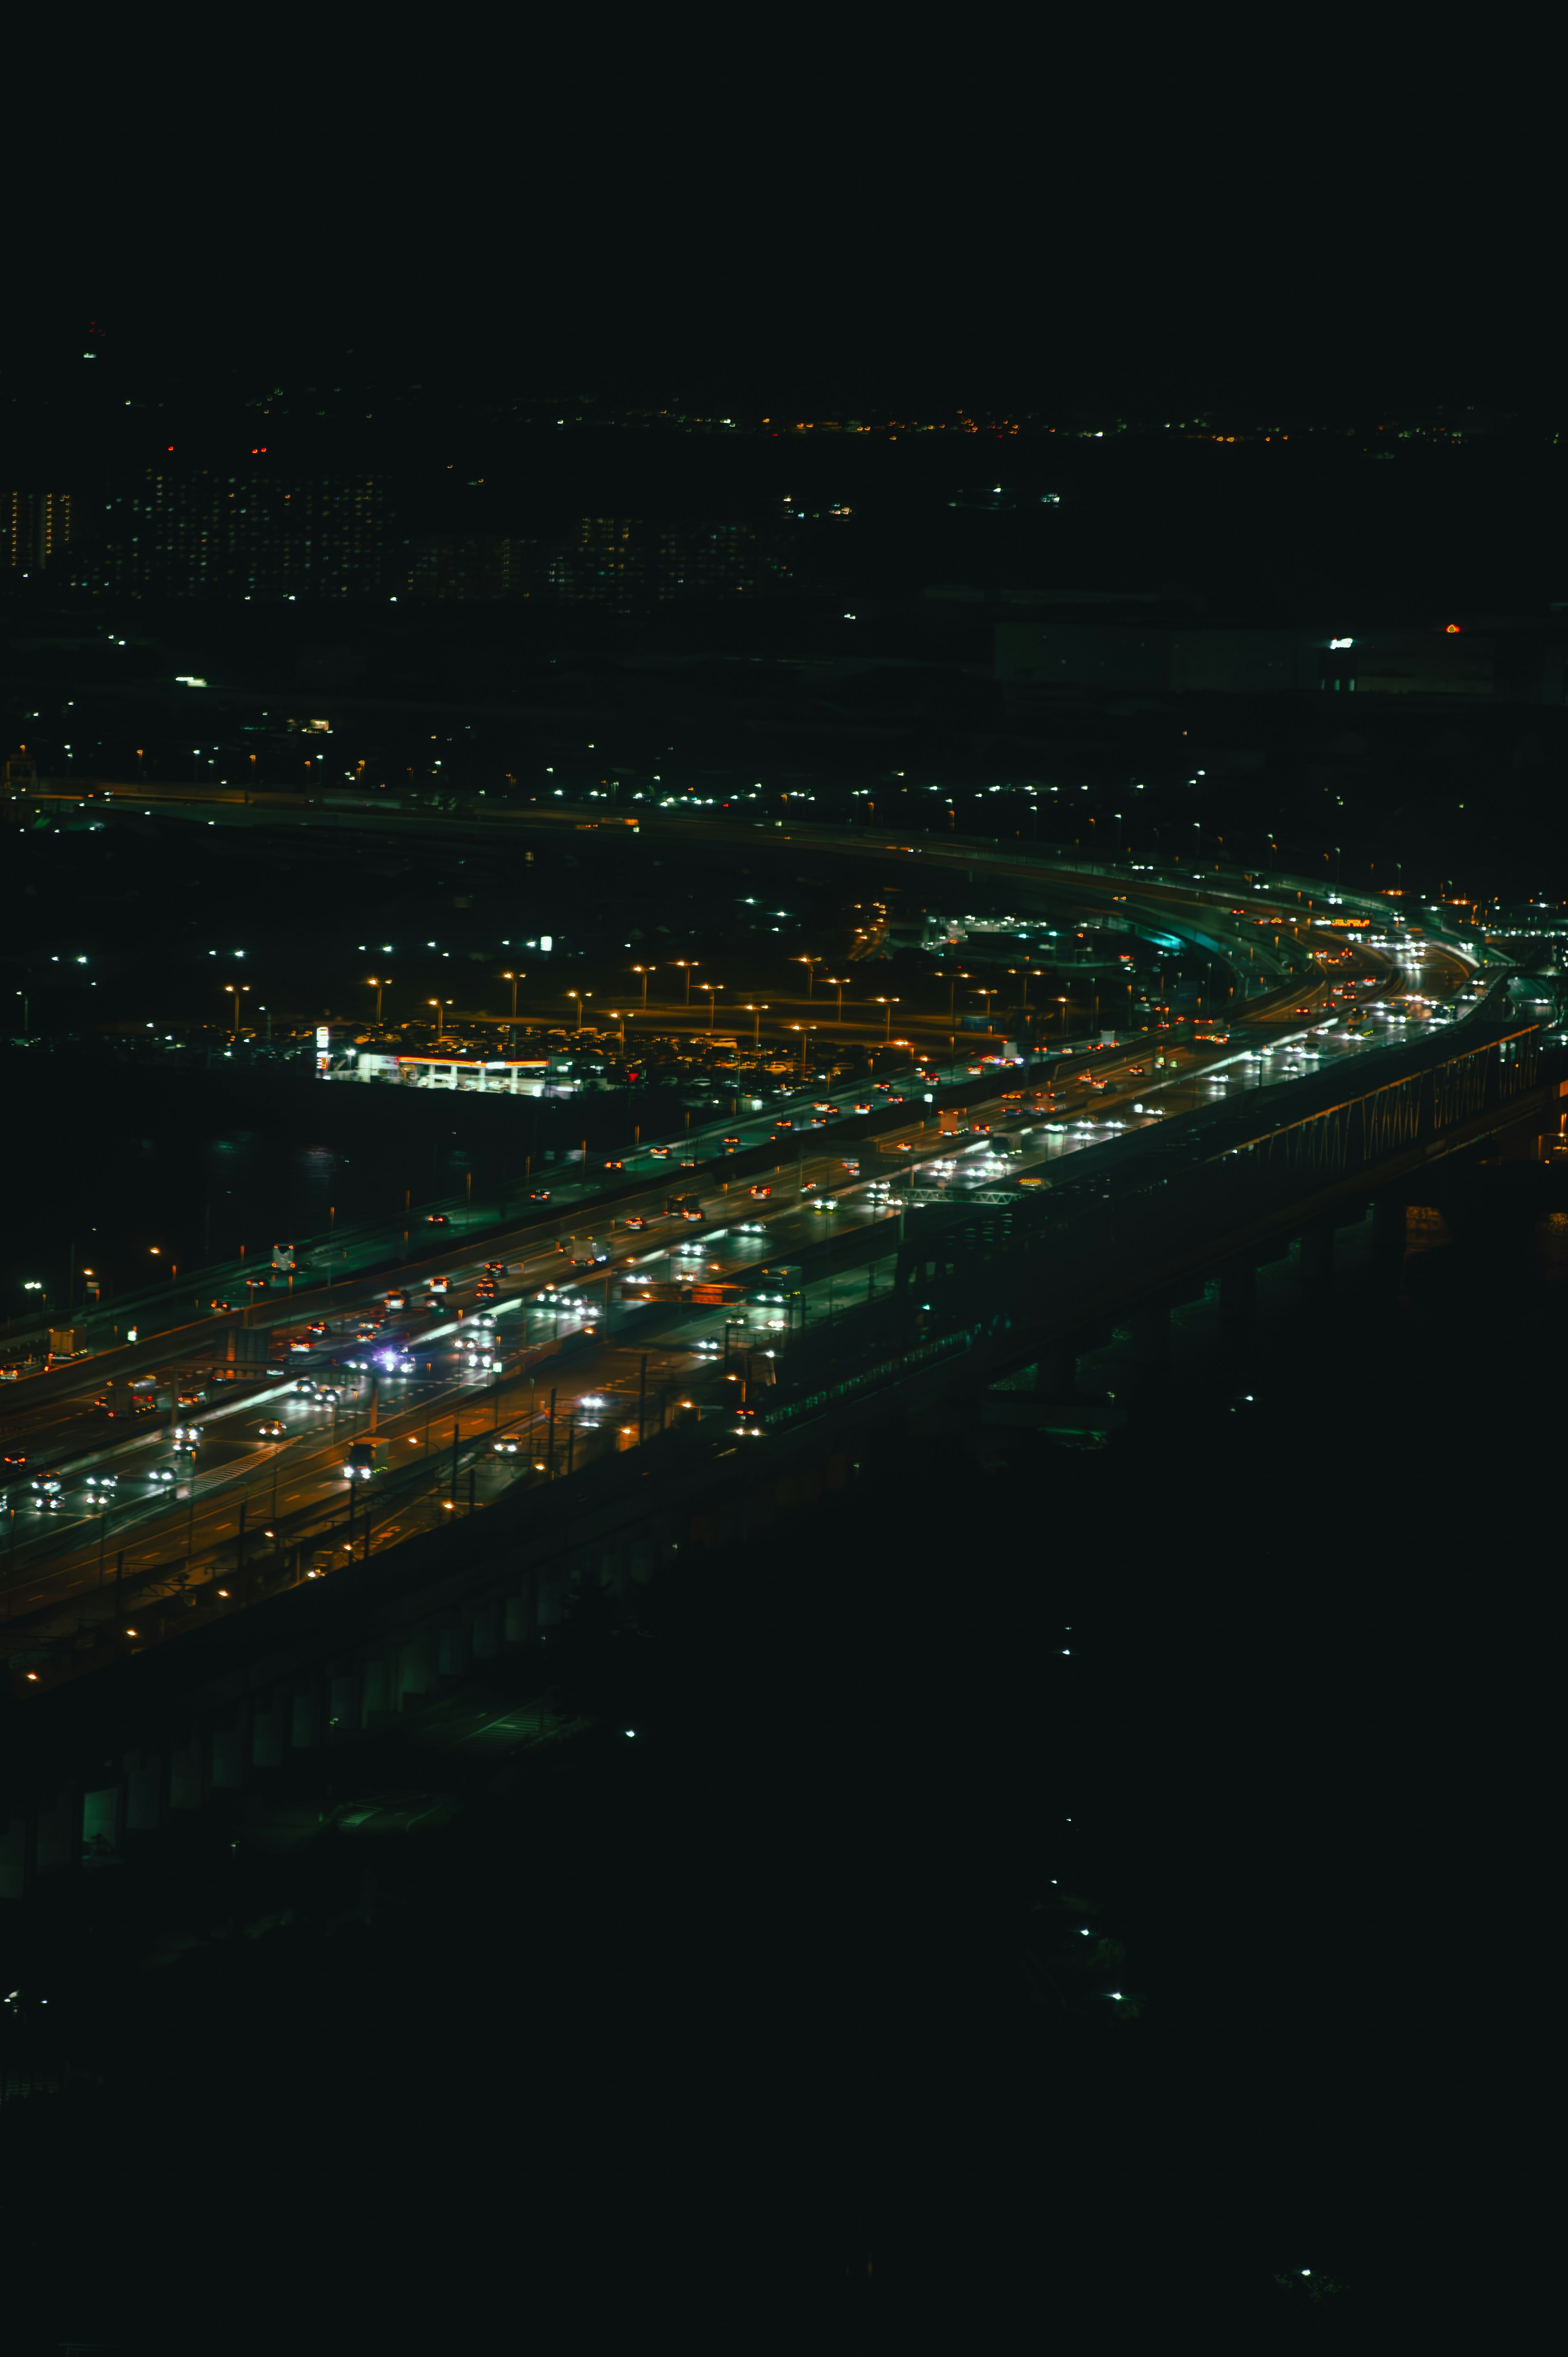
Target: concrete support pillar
[(305, 1718), (13, 1857), (343, 1703), (521, 1625), (1151, 1333), (56, 1831), (185, 1778), (1316, 1256), (415, 1670), (1390, 1225), (232, 1753), (1238, 1296), (1390, 1220), (1057, 1371), (269, 1730), (378, 1687), (144, 1792)]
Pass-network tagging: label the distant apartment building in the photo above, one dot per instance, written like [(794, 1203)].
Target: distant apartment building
[(468, 567), (210, 532), (40, 529), (624, 564)]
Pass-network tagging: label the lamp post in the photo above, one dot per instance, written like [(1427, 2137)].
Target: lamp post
[(644, 971), (713, 989), (890, 1004), (836, 982), (757, 1012), (378, 983), (1063, 1005), (687, 964), (581, 996), (236, 991)]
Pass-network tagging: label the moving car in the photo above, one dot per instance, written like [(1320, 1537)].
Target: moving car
[(436, 1220), (272, 1430), (760, 1192)]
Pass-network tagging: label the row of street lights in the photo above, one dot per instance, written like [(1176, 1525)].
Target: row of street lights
[(755, 1008)]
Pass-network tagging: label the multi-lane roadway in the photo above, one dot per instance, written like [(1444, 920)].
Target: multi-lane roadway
[(462, 1407)]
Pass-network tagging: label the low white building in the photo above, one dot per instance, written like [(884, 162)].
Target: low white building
[(517, 1076)]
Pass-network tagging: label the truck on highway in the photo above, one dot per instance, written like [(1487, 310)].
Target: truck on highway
[(128, 1395), (366, 1458)]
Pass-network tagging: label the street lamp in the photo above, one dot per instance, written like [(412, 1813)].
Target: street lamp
[(803, 1029), (836, 982), (810, 965), (378, 983), (581, 996), (515, 979), (644, 971), (235, 991), (713, 989), (756, 1013), (890, 1004), (1063, 1005), (688, 964)]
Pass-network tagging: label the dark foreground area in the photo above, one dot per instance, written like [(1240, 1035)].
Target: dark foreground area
[(1041, 1902)]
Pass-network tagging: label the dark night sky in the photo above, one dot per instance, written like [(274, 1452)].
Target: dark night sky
[(1083, 219)]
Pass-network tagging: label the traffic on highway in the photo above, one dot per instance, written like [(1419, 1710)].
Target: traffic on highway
[(673, 1296)]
